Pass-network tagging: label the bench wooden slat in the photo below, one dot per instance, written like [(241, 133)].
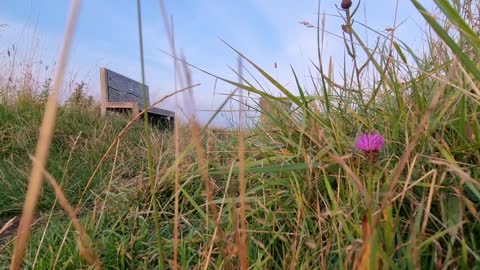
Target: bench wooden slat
[(121, 88)]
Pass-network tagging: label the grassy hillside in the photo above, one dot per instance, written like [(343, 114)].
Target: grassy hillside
[(80, 141)]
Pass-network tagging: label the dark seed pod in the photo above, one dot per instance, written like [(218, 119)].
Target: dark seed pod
[(346, 4)]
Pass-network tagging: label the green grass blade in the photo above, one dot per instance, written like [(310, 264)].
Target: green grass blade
[(455, 18), (464, 59)]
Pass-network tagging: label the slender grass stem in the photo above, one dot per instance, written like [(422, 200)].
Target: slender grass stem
[(148, 140)]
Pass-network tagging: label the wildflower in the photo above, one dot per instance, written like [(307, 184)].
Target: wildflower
[(370, 144), (346, 4)]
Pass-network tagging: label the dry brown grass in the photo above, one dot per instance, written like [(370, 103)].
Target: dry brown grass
[(41, 154)]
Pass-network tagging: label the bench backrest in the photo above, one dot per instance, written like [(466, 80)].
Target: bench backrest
[(118, 88)]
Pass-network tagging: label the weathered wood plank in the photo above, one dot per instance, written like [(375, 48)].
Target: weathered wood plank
[(123, 89)]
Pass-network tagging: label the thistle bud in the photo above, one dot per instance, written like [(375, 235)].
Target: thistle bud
[(370, 144), (346, 4)]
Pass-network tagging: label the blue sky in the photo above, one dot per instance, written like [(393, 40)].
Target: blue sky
[(267, 31)]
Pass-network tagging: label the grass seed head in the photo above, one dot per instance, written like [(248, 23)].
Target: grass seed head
[(346, 4)]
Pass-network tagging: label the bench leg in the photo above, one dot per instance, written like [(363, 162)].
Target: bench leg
[(171, 123), (135, 111)]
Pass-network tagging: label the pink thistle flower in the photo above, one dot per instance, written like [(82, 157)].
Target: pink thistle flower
[(370, 142)]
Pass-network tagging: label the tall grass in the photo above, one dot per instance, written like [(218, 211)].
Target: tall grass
[(292, 192)]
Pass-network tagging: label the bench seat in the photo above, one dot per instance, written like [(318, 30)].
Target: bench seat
[(161, 112)]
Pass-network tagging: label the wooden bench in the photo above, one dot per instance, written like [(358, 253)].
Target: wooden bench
[(273, 106), (119, 93)]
